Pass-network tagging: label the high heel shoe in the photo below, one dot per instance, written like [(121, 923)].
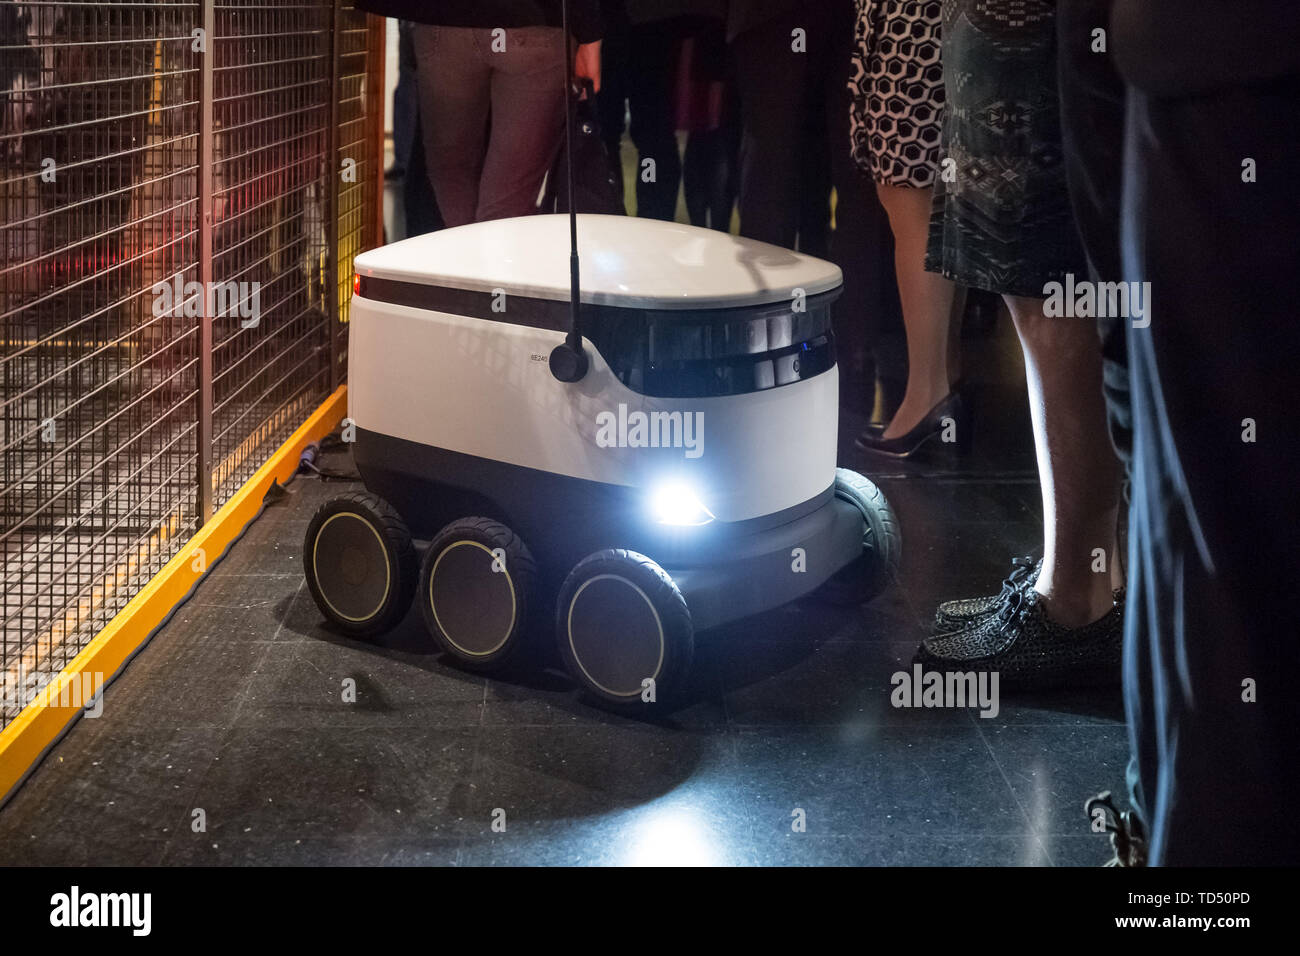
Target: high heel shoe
[(936, 422), (957, 387)]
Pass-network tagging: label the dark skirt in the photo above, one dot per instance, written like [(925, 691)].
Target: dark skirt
[(1001, 219)]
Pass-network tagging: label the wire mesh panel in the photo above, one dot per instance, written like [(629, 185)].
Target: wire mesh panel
[(107, 290), (98, 140), (272, 80)]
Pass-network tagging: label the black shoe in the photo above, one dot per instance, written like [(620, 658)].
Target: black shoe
[(1127, 835), (904, 446), (878, 428), (952, 615), (1028, 649)]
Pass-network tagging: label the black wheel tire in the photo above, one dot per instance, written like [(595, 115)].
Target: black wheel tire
[(360, 564), (882, 545), (621, 620), (477, 600)]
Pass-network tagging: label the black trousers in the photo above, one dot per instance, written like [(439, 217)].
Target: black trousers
[(784, 154), (794, 149), (651, 87), (419, 205), (1211, 646)]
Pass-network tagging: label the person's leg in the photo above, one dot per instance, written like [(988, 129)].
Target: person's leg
[(771, 78), (723, 141), (706, 176), (824, 33), (1092, 139), (726, 183), (406, 100), (652, 103), (1210, 657), (615, 78), (698, 162), (861, 243), (418, 201), (527, 121), (721, 195), (929, 303), (815, 162), (1077, 470), (453, 82)]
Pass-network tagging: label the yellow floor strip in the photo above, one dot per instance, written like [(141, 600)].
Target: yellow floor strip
[(43, 721)]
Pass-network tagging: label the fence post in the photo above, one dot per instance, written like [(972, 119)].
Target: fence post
[(207, 153), (376, 57), (332, 303)]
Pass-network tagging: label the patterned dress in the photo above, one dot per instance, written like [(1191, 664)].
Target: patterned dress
[(896, 84), (1003, 223)]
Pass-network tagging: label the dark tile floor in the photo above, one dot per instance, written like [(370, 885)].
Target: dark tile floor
[(235, 708)]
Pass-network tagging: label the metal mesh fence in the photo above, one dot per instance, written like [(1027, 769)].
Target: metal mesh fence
[(174, 233)]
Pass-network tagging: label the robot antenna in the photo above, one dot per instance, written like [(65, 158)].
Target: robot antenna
[(568, 360)]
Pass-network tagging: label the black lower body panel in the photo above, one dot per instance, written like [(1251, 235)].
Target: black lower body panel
[(726, 570)]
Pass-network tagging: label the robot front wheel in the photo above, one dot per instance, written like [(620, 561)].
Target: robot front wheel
[(882, 545), (624, 630)]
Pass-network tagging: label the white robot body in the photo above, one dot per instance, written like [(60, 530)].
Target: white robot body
[(686, 478), (483, 388)]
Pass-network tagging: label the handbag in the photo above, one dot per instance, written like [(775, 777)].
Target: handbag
[(597, 182)]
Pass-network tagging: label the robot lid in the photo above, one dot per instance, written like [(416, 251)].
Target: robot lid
[(626, 262)]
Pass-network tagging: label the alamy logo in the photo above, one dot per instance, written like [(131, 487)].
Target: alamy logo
[(242, 300), (651, 430), (921, 688), (75, 908), (1099, 300), (83, 691)]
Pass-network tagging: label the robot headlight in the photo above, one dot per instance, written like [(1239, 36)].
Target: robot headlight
[(675, 503)]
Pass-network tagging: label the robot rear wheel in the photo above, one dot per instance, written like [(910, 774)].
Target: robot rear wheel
[(360, 564)]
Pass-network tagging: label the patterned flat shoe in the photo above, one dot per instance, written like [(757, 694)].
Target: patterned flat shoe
[(1029, 650), (952, 615), (1127, 836)]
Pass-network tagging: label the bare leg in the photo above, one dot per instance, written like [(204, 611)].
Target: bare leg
[(1077, 468), (928, 302)]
